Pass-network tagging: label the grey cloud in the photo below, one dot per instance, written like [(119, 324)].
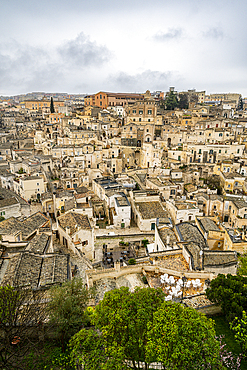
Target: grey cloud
[(214, 33), (171, 34), (24, 67), (154, 80), (83, 52), (20, 64)]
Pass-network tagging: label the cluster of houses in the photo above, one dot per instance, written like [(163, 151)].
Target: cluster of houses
[(108, 169)]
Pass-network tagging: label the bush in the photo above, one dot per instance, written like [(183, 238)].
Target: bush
[(132, 261), (144, 279), (144, 242)]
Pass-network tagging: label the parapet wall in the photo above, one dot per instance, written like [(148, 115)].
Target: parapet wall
[(117, 271)]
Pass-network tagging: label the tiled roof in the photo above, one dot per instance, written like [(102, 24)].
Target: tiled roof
[(33, 223), (240, 203), (38, 243), (151, 210), (8, 202), (167, 232), (6, 194), (194, 251), (190, 233), (208, 224), (72, 220), (29, 269), (217, 258), (27, 227), (82, 190)]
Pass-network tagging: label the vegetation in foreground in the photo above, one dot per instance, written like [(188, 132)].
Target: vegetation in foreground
[(126, 330)]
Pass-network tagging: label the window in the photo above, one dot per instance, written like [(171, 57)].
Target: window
[(140, 111), (130, 128), (149, 111), (134, 110), (37, 183), (200, 151)]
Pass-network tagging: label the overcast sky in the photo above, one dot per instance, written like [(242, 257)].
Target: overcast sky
[(78, 46)]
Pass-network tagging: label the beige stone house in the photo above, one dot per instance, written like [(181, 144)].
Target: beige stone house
[(76, 233)]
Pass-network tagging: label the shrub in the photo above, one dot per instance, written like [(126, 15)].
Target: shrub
[(132, 261)]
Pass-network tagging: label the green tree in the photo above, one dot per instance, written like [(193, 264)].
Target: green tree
[(22, 314), (242, 269), (182, 339), (88, 348), (239, 327), (171, 101), (67, 308), (52, 109), (123, 317), (132, 261), (229, 292), (183, 102)]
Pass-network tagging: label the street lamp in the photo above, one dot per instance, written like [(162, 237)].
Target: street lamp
[(184, 279)]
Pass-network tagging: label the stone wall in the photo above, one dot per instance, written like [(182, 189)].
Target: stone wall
[(94, 275)]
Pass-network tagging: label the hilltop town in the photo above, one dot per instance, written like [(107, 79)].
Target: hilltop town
[(123, 189)]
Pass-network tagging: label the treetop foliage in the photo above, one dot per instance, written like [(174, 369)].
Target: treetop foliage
[(229, 292), (134, 329)]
